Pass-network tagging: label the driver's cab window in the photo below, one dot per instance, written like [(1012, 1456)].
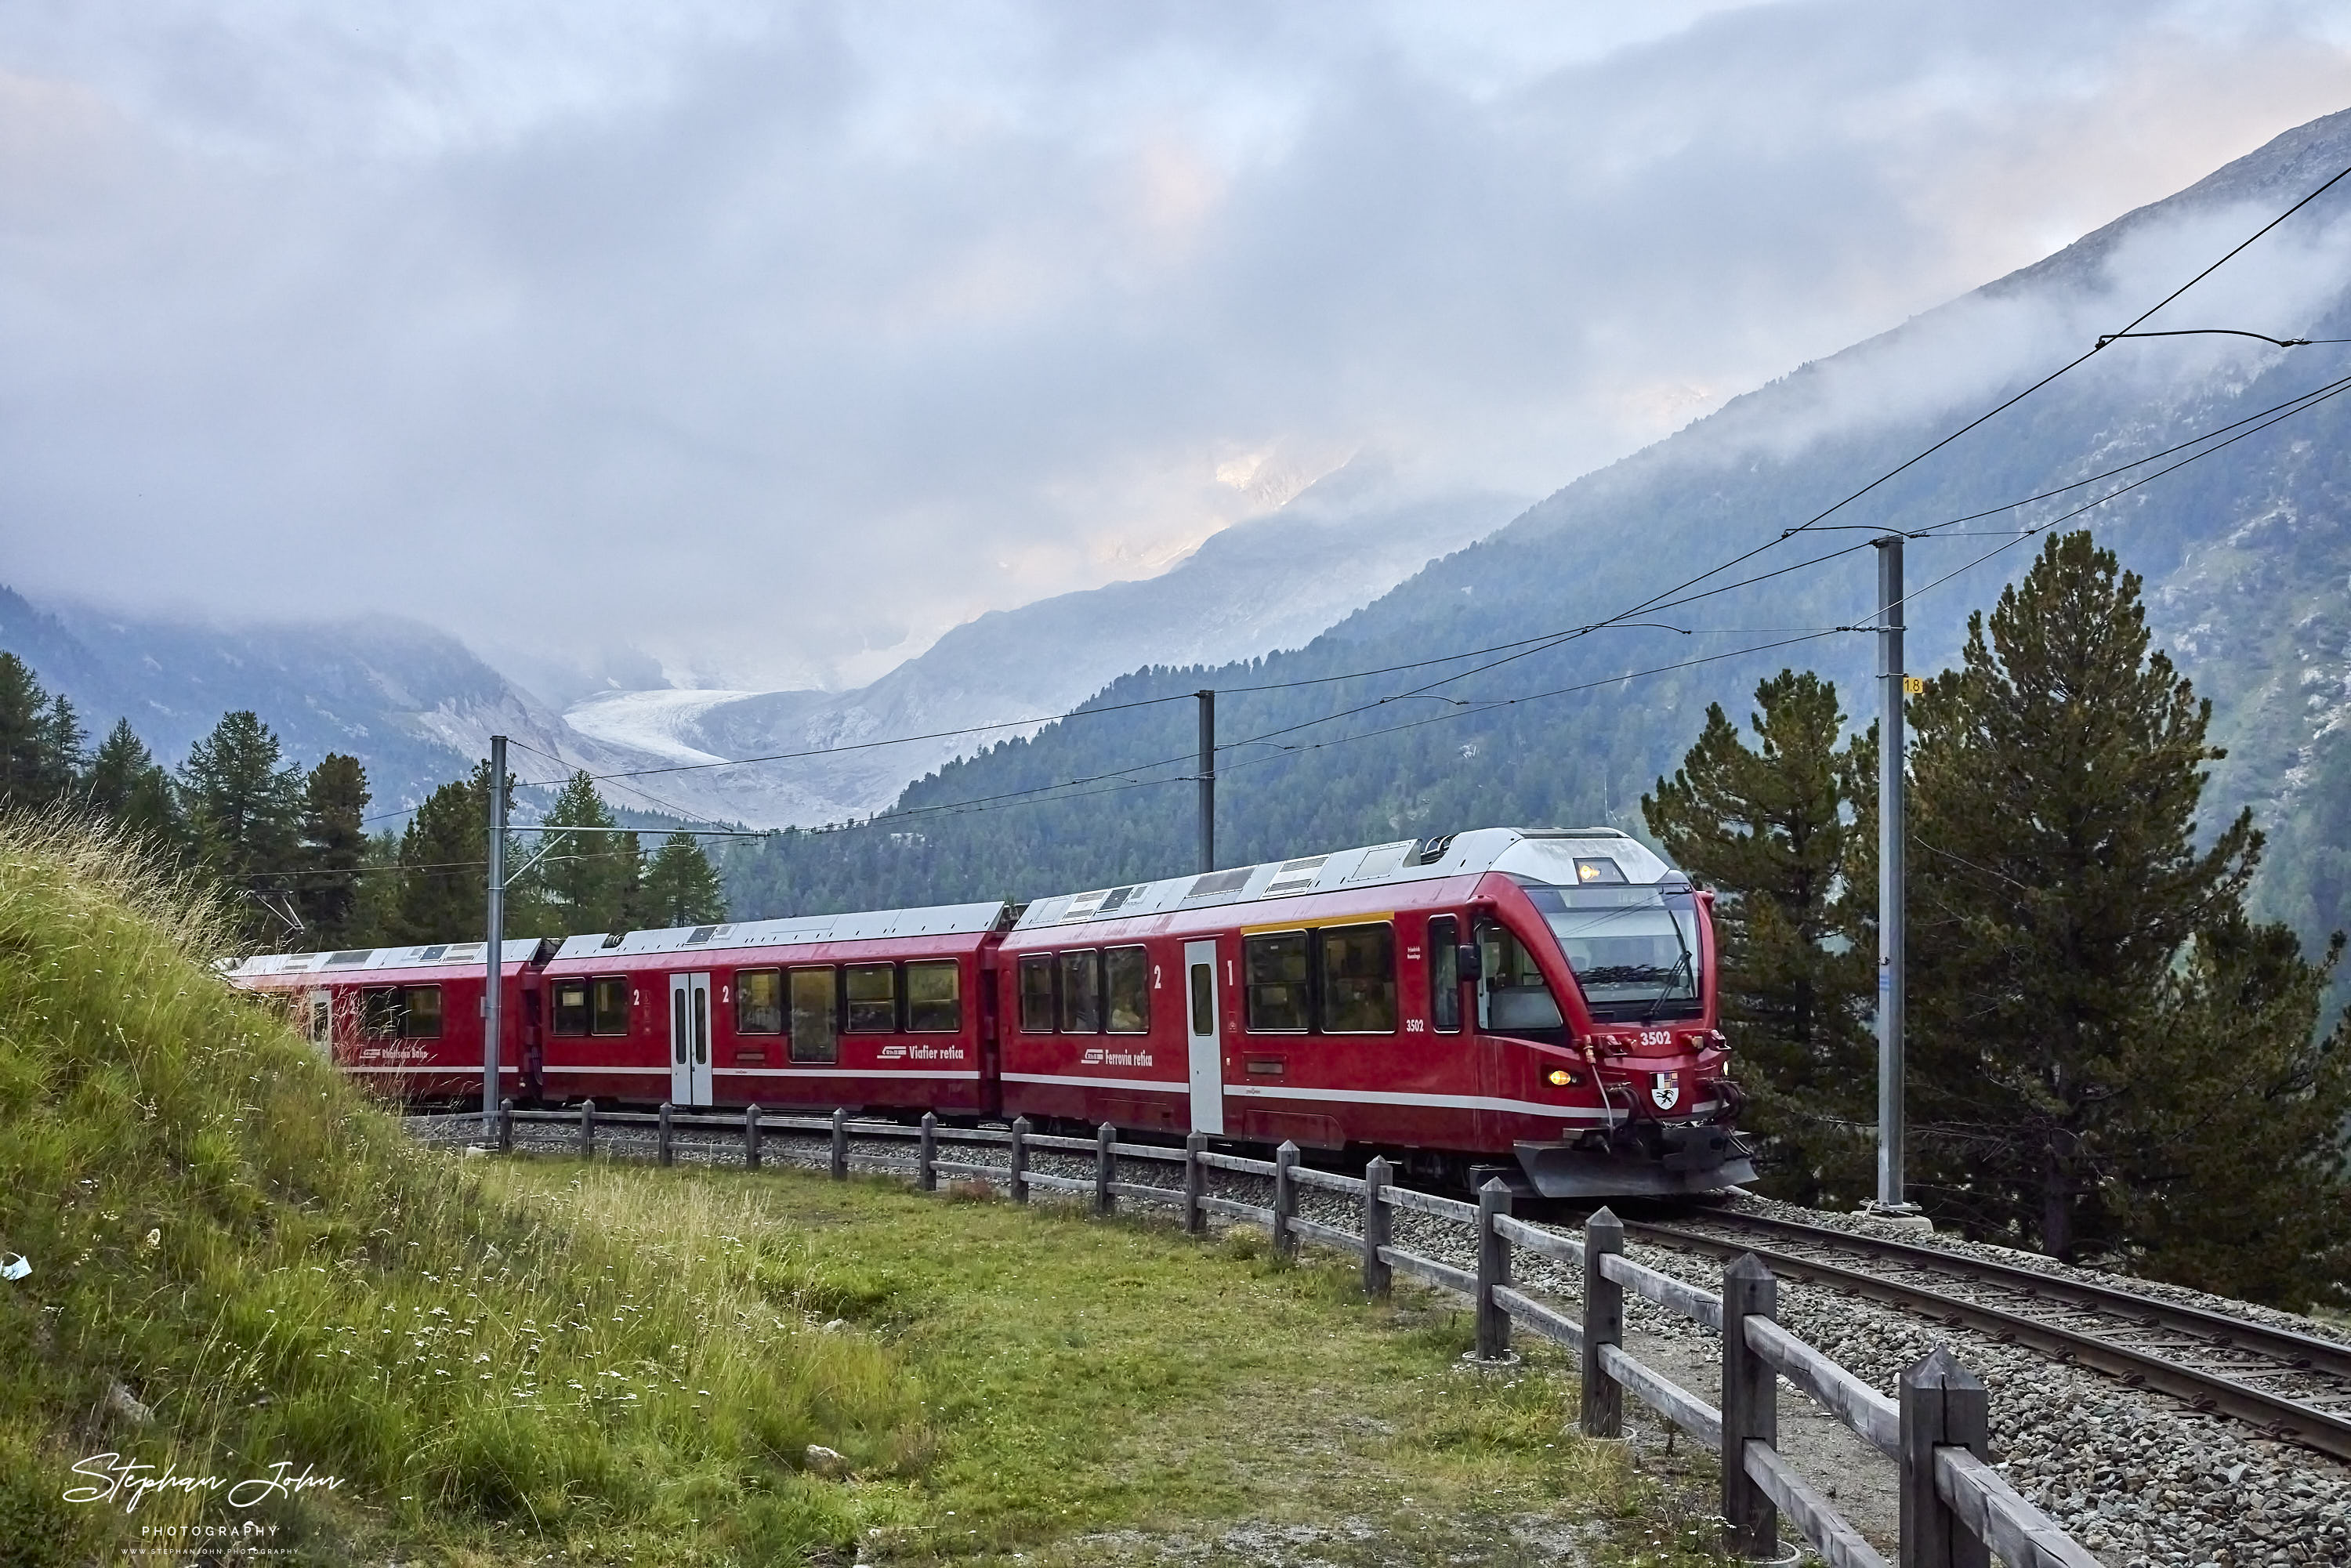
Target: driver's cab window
[(1511, 994)]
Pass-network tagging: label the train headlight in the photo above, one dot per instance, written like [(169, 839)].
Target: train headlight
[(1559, 1078)]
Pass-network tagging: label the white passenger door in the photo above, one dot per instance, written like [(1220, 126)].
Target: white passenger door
[(689, 1039), (1205, 1038)]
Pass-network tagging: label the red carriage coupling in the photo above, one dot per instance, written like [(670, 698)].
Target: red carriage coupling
[(1544, 995)]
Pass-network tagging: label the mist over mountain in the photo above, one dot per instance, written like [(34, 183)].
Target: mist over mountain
[(2245, 553), (1269, 583), (418, 708)]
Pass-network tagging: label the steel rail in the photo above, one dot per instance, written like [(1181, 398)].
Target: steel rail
[(2279, 1416), (2300, 1352)]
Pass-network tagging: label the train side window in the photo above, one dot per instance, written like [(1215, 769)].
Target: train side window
[(1512, 994), (1359, 979), (609, 995), (1278, 982), (871, 991), (380, 1012), (571, 1007), (813, 1036), (935, 997), (1444, 974), (758, 1002), (1035, 993), (1126, 988), (419, 1013), (1082, 1010)]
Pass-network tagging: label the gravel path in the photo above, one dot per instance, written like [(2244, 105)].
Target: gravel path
[(2137, 1477)]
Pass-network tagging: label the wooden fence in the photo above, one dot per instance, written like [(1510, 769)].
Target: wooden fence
[(1955, 1509)]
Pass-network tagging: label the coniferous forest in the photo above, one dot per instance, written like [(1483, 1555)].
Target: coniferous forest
[(291, 854)]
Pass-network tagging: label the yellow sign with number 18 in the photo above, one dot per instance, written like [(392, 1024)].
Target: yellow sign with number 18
[(1912, 685)]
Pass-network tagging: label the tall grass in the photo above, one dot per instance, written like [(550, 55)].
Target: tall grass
[(236, 1262)]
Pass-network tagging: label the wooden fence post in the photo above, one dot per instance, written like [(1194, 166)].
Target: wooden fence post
[(505, 1126), (1195, 1218), (926, 1157), (1285, 1199), (751, 1133), (663, 1147), (587, 1129), (840, 1144), (1493, 1269), (1019, 1182), (1105, 1168), (1751, 1409), (1378, 1278), (1943, 1406), (1604, 1324)]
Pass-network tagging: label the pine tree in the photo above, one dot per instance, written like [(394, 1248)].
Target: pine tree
[(444, 864), (2055, 882), (588, 882), (1774, 831), (681, 887), (40, 740), (334, 846), (2236, 1179), (375, 916), (62, 740), (127, 785), (244, 813)]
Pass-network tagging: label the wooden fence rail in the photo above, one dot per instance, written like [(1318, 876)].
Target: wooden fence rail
[(1955, 1509)]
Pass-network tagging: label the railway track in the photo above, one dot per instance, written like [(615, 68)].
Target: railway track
[(2292, 1387)]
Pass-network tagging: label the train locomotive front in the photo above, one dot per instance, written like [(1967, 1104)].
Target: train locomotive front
[(1594, 972)]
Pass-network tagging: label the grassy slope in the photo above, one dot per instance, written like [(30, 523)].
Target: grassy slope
[(218, 1226)]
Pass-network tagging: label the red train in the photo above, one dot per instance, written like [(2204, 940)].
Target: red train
[(1543, 993)]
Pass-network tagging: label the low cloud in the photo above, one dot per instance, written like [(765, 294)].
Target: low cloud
[(774, 340)]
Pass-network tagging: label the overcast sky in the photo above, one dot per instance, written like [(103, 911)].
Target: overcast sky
[(776, 339)]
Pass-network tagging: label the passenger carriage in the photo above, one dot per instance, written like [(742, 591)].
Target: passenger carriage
[(885, 1010), (405, 1020), (1542, 994)]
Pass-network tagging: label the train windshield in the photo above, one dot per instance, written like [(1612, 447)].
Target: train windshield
[(1633, 948)]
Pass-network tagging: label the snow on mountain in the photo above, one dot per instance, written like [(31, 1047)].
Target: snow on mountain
[(418, 708), (1273, 582)]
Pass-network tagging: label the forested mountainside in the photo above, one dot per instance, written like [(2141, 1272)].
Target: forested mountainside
[(409, 700), (2245, 552)]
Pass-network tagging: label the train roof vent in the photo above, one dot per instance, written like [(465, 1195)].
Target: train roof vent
[(1085, 905), (348, 958), (468, 954), (431, 955), (1296, 876), (701, 934), (1381, 860), (614, 938), (1220, 882)]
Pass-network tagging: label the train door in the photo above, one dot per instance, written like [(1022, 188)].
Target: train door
[(1205, 1038), (689, 1039), (318, 1021)]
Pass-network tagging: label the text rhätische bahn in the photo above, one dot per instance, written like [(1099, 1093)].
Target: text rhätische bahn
[(1539, 993)]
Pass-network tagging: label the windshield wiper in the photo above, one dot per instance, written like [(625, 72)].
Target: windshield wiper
[(1681, 964)]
